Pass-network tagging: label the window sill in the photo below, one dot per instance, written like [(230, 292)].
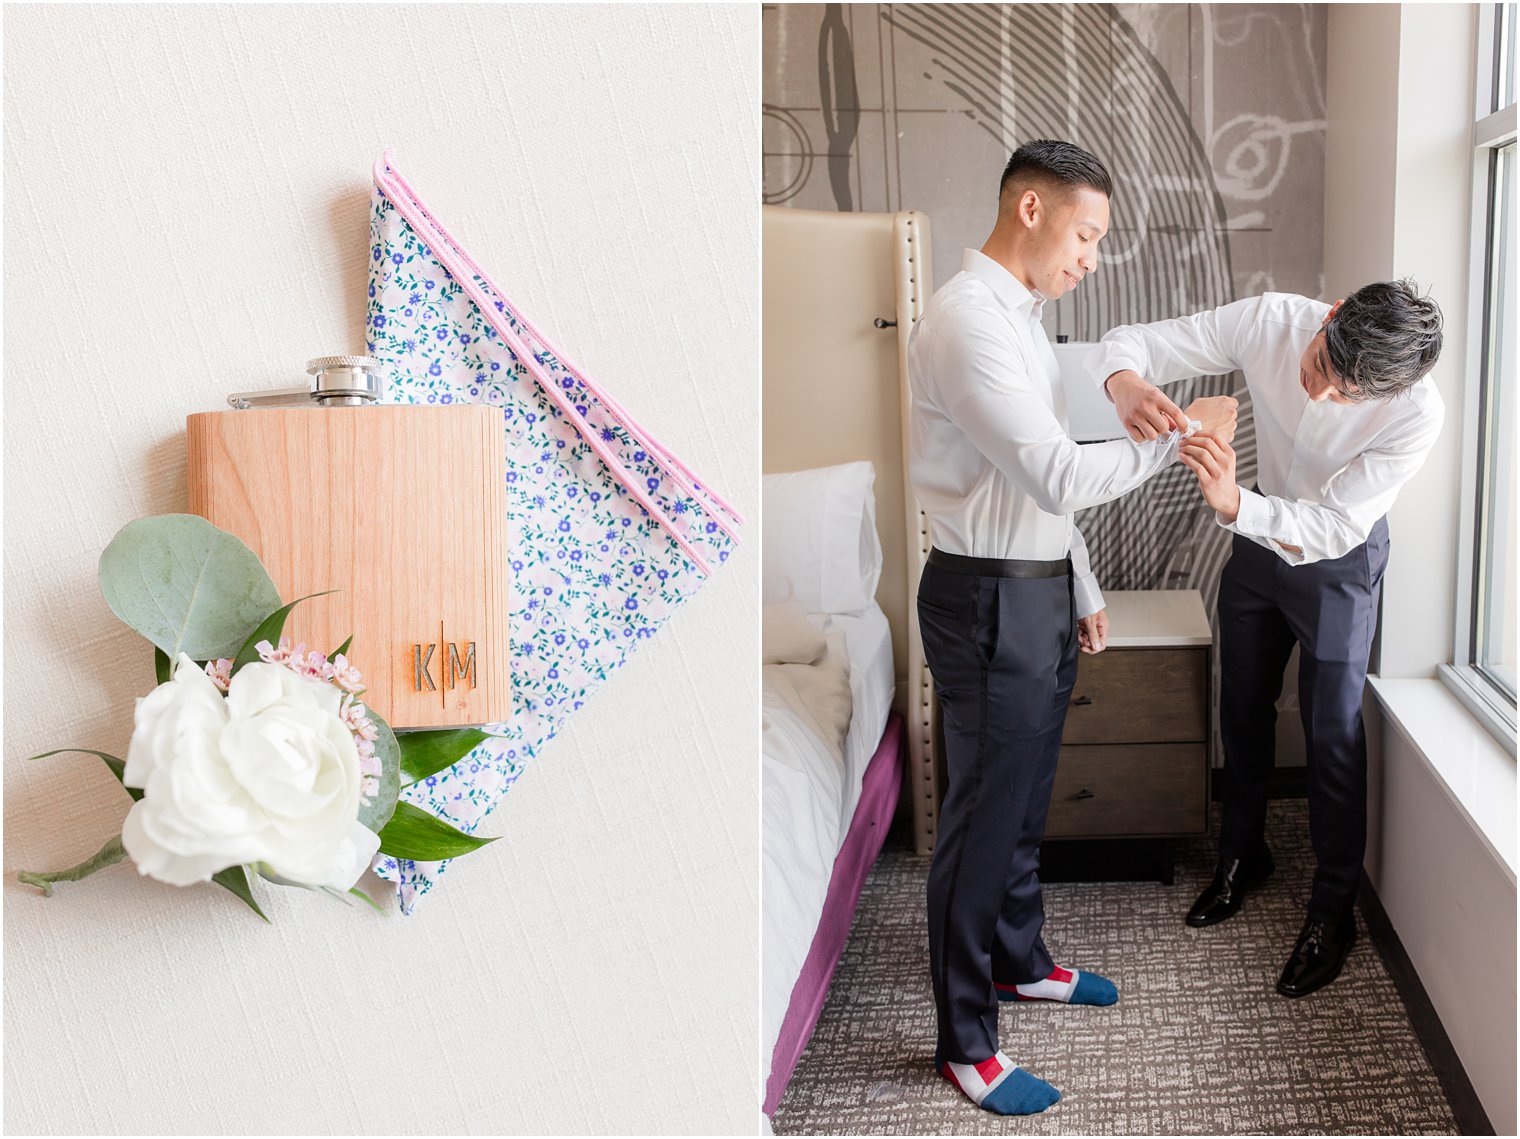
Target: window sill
[(1476, 771), (1479, 698)]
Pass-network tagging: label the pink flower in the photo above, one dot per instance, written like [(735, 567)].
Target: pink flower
[(312, 664), (369, 765), (345, 675), (354, 715), (220, 672), (272, 655)]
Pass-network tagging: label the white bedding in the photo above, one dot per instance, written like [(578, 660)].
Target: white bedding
[(807, 800), (817, 694)]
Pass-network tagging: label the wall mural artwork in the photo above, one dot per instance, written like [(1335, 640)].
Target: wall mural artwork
[(839, 98), (1209, 117)]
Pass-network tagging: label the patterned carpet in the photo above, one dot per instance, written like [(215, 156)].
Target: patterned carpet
[(1199, 1043)]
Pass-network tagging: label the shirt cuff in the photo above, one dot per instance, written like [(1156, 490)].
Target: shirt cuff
[(1106, 364), (1088, 596), (1252, 520)]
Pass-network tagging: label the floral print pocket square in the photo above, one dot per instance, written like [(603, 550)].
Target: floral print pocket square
[(608, 531)]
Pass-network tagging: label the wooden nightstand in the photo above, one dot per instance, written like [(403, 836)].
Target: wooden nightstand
[(1135, 752)]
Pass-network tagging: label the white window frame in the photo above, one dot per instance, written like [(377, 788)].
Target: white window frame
[(1491, 131)]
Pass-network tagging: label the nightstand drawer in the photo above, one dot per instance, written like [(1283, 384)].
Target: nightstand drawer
[(1139, 696), (1120, 790)]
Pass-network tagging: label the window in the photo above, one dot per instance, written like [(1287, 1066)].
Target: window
[(1483, 671), (1493, 643), (1504, 57)]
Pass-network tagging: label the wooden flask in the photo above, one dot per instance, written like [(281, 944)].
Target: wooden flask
[(402, 511)]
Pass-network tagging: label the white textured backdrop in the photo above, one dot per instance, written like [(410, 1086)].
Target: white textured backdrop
[(185, 215)]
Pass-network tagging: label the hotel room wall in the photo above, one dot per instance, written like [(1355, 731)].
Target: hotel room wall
[(1210, 117)]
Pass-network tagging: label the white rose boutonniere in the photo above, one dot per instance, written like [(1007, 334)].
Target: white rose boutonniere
[(250, 760), (271, 774)]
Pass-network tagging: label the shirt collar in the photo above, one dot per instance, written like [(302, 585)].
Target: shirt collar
[(1010, 292)]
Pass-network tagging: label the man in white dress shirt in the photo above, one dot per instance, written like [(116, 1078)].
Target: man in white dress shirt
[(1345, 415), (1008, 595)]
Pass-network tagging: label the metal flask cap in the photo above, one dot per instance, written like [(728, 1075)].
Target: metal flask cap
[(345, 381), (341, 381)]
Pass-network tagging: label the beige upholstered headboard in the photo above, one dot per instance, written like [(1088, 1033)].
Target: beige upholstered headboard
[(834, 391)]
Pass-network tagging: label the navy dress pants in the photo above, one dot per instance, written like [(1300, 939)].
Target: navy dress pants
[(1329, 609), (1003, 653)]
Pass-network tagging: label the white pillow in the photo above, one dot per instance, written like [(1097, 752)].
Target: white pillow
[(820, 543)]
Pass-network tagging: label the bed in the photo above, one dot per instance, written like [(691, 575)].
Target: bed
[(840, 294)]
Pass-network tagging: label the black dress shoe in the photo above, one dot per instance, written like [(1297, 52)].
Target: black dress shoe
[(1318, 956), (1222, 897)]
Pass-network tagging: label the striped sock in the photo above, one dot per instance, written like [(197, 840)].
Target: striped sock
[(1069, 986), (997, 1085)]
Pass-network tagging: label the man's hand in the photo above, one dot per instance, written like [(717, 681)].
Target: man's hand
[(1217, 415), (1213, 461), (1143, 410), (1092, 632)]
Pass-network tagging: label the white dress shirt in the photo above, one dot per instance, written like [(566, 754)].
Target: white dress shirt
[(989, 455), (1327, 471)]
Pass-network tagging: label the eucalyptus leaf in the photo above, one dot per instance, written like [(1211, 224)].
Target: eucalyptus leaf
[(383, 803), (269, 629), (108, 855), (163, 669), (235, 879), (413, 833), (426, 753), (185, 585), (118, 768)]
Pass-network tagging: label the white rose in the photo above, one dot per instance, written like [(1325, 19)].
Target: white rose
[(268, 774)]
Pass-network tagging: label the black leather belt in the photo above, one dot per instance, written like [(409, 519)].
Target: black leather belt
[(998, 567)]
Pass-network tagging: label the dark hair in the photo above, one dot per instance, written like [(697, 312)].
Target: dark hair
[(1059, 162), (1383, 338)]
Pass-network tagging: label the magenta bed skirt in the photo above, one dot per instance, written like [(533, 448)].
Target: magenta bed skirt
[(862, 843)]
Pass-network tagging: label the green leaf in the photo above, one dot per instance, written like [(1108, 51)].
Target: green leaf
[(185, 585), (341, 649), (267, 872), (269, 629), (426, 753), (358, 893), (235, 878), (108, 855), (118, 768), (413, 833), (163, 668), (382, 804)]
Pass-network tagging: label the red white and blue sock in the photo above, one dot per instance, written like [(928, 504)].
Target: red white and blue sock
[(998, 1085), (1069, 986)]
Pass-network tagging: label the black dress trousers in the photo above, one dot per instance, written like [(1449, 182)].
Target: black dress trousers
[(1003, 653), (1329, 609)]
